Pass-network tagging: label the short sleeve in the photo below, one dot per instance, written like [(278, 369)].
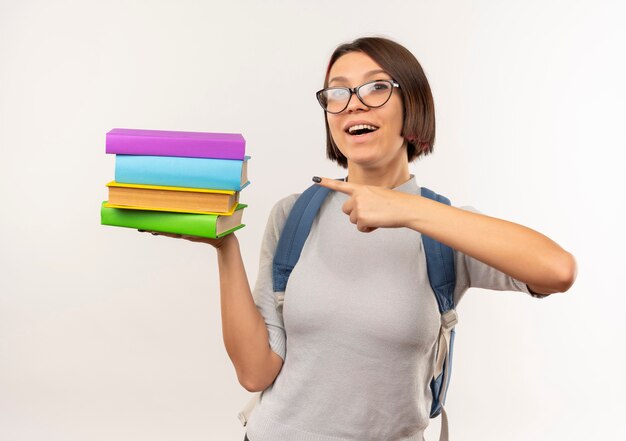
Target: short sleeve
[(264, 296), (472, 273)]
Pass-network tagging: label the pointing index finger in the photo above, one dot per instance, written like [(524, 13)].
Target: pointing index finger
[(333, 184)]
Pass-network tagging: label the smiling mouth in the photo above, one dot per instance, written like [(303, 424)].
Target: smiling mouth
[(361, 129)]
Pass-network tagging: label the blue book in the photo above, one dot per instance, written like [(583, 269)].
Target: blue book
[(217, 174)]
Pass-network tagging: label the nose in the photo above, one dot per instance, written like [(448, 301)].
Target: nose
[(355, 104)]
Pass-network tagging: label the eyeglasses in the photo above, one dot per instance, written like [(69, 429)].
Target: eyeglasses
[(373, 94)]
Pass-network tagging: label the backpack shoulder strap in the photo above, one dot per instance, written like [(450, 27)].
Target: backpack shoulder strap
[(442, 278), (290, 244), (440, 262), (295, 233)]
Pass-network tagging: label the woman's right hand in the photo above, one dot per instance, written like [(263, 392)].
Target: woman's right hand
[(216, 243)]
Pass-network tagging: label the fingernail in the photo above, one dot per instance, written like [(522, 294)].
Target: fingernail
[(317, 179)]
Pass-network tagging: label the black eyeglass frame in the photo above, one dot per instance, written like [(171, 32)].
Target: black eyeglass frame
[(355, 91)]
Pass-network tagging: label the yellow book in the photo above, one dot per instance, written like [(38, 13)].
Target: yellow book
[(175, 199)]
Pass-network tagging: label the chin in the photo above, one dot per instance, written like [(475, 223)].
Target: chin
[(365, 160)]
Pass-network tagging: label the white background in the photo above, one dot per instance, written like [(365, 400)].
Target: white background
[(106, 333)]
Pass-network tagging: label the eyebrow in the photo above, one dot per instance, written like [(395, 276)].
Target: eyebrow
[(367, 74)]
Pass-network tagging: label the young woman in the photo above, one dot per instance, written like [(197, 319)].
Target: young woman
[(349, 356)]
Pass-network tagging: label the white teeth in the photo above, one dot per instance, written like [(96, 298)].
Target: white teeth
[(361, 127)]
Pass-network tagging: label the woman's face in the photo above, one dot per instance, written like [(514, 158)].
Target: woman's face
[(382, 146)]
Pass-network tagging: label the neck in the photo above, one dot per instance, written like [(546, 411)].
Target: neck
[(379, 177)]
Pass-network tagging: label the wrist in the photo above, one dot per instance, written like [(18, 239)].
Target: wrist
[(411, 214), (227, 242)]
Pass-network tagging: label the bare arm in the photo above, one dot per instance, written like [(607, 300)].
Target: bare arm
[(514, 249), (518, 251), (243, 327)]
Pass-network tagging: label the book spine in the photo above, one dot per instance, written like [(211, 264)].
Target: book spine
[(129, 142), (223, 174), (202, 225)]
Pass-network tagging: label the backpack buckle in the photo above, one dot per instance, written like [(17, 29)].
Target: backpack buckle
[(279, 299), (449, 319)]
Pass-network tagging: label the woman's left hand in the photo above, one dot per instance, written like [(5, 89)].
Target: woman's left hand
[(371, 207)]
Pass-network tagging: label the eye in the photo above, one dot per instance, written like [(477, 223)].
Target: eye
[(378, 86), (337, 94)]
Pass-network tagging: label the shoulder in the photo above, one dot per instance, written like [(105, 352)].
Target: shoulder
[(280, 211), (283, 206)]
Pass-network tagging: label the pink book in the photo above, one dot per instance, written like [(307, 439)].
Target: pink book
[(169, 143)]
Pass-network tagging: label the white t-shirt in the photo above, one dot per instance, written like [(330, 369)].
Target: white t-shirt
[(357, 331)]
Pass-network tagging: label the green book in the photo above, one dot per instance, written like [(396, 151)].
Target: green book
[(203, 225)]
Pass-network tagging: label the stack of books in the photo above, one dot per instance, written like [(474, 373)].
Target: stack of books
[(176, 182)]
